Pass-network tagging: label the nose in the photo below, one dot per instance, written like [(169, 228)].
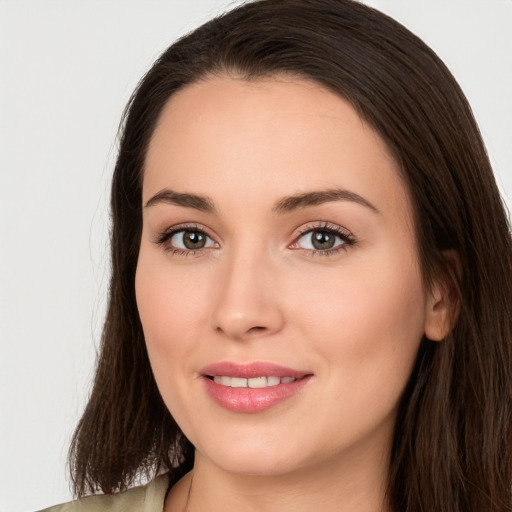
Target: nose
[(247, 304)]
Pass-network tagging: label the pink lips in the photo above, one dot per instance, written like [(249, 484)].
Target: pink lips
[(251, 400)]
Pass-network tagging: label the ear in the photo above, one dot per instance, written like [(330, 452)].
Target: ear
[(443, 302)]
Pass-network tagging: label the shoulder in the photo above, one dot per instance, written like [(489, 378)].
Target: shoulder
[(146, 498)]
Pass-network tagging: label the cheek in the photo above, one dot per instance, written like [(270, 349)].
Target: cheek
[(171, 309), (364, 327), (367, 321), (169, 300)]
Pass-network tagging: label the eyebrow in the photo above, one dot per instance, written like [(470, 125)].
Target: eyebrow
[(315, 198), (284, 205), (166, 196)]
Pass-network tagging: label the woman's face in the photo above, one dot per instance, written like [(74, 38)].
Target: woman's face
[(277, 244)]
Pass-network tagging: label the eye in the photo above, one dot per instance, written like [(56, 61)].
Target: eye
[(323, 239), (184, 240), (190, 240)]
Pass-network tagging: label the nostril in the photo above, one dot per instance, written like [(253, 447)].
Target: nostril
[(256, 329)]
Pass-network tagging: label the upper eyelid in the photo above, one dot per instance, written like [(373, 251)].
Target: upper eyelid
[(187, 227), (325, 226), (161, 236), (346, 236)]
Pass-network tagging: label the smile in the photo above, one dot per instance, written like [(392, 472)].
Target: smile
[(254, 382), (252, 387)]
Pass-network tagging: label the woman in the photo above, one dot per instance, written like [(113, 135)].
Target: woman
[(311, 277)]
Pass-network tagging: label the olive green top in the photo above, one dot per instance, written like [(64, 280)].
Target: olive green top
[(147, 498)]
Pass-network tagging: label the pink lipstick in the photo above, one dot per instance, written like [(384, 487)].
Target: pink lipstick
[(253, 387)]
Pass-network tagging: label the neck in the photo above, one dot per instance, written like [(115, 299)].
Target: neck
[(356, 486)]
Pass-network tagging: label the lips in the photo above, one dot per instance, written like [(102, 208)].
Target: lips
[(253, 387), (251, 370)]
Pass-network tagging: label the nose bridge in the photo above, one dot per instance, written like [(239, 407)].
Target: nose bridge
[(247, 300)]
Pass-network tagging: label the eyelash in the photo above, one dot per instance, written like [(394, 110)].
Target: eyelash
[(346, 237), (165, 236)]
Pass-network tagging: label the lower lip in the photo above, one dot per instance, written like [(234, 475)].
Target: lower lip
[(251, 400)]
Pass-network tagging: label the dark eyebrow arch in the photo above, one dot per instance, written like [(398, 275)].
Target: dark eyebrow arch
[(197, 202), (316, 198), (285, 205)]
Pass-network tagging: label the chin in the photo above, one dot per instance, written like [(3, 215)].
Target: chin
[(260, 466), (264, 458)]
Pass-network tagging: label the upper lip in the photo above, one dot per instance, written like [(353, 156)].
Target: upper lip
[(250, 370)]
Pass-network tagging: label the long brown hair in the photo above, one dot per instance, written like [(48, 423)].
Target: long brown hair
[(452, 447)]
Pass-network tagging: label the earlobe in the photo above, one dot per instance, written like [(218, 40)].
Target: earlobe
[(443, 304)]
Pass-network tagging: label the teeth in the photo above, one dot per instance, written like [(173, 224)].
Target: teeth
[(257, 382), (237, 382), (224, 381), (273, 381), (254, 382)]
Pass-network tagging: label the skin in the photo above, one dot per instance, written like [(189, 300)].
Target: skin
[(258, 292)]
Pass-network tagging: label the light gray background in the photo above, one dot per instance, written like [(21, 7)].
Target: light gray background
[(67, 68)]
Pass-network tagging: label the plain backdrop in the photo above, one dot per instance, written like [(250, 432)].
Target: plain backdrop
[(67, 68)]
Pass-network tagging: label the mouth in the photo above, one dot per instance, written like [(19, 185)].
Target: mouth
[(259, 373), (253, 382), (252, 387)]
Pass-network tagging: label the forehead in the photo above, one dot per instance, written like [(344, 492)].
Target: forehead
[(267, 138)]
